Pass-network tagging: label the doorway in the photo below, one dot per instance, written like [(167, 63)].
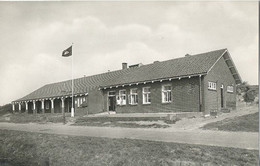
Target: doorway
[(222, 96), (112, 101)]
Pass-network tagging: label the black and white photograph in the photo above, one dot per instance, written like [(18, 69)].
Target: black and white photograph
[(129, 83)]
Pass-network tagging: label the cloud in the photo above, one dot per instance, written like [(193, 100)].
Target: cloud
[(32, 41), (21, 79)]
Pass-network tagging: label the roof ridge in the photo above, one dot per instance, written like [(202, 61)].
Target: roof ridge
[(192, 55)]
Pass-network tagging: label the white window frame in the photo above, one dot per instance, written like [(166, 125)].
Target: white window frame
[(147, 94), (212, 85), (230, 88), (168, 94), (122, 97), (133, 97)]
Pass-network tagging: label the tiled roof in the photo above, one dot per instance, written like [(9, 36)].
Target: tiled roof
[(185, 66), (81, 86)]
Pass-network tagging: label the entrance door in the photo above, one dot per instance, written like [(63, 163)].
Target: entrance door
[(222, 96), (111, 101)]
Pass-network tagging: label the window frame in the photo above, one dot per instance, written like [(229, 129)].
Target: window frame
[(167, 92), (133, 94), (122, 95), (212, 85), (146, 94), (230, 91)]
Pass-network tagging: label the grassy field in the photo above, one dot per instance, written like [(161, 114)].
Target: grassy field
[(249, 123), (25, 148), (129, 122)]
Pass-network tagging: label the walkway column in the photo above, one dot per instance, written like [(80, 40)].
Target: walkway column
[(13, 107), (52, 106), (26, 106), (19, 107), (43, 110), (34, 107), (62, 109)]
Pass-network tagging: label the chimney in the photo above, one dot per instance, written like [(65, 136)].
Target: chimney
[(124, 66), (187, 55)]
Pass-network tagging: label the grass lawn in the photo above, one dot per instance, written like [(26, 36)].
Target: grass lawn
[(25, 148), (249, 123), (129, 122)]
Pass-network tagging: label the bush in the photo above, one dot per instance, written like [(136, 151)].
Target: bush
[(7, 108), (249, 96)]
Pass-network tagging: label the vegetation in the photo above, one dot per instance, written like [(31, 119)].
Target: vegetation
[(7, 108), (130, 122), (249, 123), (248, 92), (249, 96), (25, 148)]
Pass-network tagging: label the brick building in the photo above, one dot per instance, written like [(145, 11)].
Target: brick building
[(193, 83)]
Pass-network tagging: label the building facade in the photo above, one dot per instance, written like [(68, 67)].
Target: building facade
[(194, 83)]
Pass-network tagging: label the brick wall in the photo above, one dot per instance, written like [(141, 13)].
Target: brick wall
[(221, 74), (185, 97)]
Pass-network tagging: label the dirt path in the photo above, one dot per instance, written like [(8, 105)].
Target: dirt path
[(245, 140)]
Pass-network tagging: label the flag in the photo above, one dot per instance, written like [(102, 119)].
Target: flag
[(67, 52)]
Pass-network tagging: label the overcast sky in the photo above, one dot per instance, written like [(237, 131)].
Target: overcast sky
[(105, 34)]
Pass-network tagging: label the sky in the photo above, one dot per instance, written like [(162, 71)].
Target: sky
[(106, 34)]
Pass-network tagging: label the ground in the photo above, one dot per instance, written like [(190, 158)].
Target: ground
[(247, 123), (129, 122), (183, 141), (25, 148)]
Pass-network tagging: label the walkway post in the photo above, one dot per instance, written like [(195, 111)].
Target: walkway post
[(52, 106), (62, 110), (20, 109), (43, 110), (26, 107), (34, 107)]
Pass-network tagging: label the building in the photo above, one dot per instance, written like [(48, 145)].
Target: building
[(193, 83)]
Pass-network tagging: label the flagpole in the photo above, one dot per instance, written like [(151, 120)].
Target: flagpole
[(72, 87)]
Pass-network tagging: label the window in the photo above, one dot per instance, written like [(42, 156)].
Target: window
[(230, 89), (166, 93), (146, 95), (133, 97), (122, 97), (212, 86)]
